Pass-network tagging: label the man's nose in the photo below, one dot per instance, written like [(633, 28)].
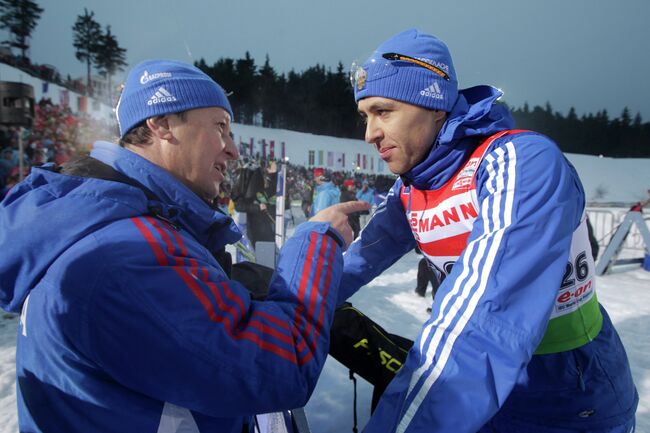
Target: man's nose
[(231, 149), (373, 132)]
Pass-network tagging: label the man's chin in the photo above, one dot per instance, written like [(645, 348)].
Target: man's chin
[(209, 195), (397, 170)]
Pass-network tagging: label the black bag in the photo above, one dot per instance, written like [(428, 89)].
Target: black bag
[(256, 278), (367, 349), (241, 180)]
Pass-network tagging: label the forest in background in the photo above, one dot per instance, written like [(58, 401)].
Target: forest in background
[(320, 100)]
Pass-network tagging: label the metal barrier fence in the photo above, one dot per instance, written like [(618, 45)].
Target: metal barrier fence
[(605, 222)]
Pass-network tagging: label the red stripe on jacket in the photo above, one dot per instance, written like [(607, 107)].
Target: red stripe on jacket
[(190, 280), (301, 293), (321, 317), (204, 276), (204, 273), (157, 250), (313, 293)]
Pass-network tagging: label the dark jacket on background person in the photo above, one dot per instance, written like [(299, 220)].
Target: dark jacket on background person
[(425, 276), (260, 189), (306, 196), (353, 218)]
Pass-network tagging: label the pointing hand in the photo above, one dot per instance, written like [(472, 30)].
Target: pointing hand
[(337, 216)]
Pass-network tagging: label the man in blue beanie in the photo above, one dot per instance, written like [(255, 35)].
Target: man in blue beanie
[(129, 323), (516, 341)]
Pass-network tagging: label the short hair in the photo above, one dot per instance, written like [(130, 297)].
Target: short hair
[(141, 134)]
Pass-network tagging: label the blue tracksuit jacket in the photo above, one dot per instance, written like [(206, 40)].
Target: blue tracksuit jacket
[(128, 322), (325, 195), (472, 367), (368, 195)]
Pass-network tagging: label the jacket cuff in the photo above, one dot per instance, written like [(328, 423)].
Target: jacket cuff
[(322, 228)]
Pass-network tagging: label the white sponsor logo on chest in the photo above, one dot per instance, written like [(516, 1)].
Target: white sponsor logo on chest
[(451, 217)]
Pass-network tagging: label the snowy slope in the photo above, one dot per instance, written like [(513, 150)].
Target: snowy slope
[(8, 418), (613, 179)]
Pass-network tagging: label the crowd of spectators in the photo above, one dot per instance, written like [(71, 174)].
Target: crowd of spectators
[(57, 134), (301, 179), (301, 184)]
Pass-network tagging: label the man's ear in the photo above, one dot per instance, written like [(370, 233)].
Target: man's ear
[(159, 126), (439, 115)]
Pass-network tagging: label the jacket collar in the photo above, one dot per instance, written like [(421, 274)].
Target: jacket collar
[(179, 204), (474, 115)]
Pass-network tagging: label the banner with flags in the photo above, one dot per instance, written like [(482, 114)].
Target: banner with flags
[(64, 98)]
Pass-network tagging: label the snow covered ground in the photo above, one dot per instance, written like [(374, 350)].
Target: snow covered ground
[(8, 417), (391, 302)]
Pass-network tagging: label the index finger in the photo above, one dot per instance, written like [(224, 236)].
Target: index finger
[(352, 206)]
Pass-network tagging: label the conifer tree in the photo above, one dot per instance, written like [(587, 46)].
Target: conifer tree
[(110, 57), (20, 18), (86, 33)]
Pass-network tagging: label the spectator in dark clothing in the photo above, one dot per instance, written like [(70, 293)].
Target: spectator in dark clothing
[(592, 240), (12, 179), (366, 193), (258, 202), (6, 164), (348, 194), (426, 275), (306, 194)]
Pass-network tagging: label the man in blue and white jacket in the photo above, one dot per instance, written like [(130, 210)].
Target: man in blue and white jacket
[(516, 341), (128, 322), (326, 193), (366, 193)]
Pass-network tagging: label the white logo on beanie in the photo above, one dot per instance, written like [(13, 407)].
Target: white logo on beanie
[(435, 63), (161, 96), (433, 91), (145, 77)]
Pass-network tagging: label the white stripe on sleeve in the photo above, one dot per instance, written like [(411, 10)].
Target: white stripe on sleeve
[(486, 246)]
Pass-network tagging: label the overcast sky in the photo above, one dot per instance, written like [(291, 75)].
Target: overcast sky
[(589, 54)]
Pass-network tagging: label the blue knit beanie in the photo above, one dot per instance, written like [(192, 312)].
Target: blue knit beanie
[(157, 87), (411, 67)]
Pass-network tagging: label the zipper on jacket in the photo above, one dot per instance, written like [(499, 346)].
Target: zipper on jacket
[(172, 224), (581, 380)]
